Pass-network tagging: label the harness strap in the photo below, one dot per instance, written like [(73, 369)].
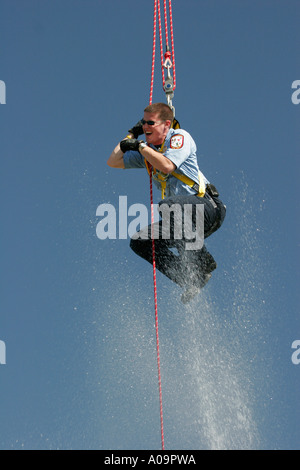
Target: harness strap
[(199, 187)]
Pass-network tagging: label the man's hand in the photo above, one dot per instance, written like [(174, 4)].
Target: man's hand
[(129, 144), (137, 130)]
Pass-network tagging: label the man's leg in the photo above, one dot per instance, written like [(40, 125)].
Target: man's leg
[(190, 268), (167, 262)]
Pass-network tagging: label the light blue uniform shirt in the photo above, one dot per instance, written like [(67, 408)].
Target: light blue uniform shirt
[(180, 148)]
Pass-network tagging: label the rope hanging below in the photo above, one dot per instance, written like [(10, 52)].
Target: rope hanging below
[(169, 86)]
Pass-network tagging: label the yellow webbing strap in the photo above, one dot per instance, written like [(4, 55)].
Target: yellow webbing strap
[(175, 124), (158, 177), (185, 179)]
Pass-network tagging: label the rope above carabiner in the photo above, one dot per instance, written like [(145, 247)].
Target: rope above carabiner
[(167, 59)]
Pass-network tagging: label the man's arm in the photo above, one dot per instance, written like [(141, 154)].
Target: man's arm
[(116, 158), (158, 160)]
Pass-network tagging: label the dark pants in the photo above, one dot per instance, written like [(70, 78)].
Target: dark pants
[(182, 266)]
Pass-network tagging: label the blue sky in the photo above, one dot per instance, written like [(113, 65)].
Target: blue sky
[(76, 312)]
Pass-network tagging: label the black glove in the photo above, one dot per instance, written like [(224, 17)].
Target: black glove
[(137, 130), (129, 144)]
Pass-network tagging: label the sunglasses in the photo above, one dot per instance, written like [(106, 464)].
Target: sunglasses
[(150, 123)]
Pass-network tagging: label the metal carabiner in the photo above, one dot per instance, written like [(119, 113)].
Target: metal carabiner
[(168, 63), (169, 87), (169, 84)]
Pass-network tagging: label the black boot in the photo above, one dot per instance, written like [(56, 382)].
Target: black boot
[(201, 274)]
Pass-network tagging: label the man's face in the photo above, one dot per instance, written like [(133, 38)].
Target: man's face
[(155, 134)]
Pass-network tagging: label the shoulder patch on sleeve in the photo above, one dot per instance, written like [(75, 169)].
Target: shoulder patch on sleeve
[(177, 141)]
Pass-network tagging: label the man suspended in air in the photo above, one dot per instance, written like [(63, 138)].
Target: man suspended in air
[(170, 155)]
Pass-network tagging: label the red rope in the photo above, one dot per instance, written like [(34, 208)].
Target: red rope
[(168, 55), (156, 12), (153, 52), (156, 315), (161, 44), (172, 44)]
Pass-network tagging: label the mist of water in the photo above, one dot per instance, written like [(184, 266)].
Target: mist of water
[(213, 351)]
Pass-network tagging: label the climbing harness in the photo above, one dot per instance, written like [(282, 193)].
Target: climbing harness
[(162, 178), (199, 187)]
